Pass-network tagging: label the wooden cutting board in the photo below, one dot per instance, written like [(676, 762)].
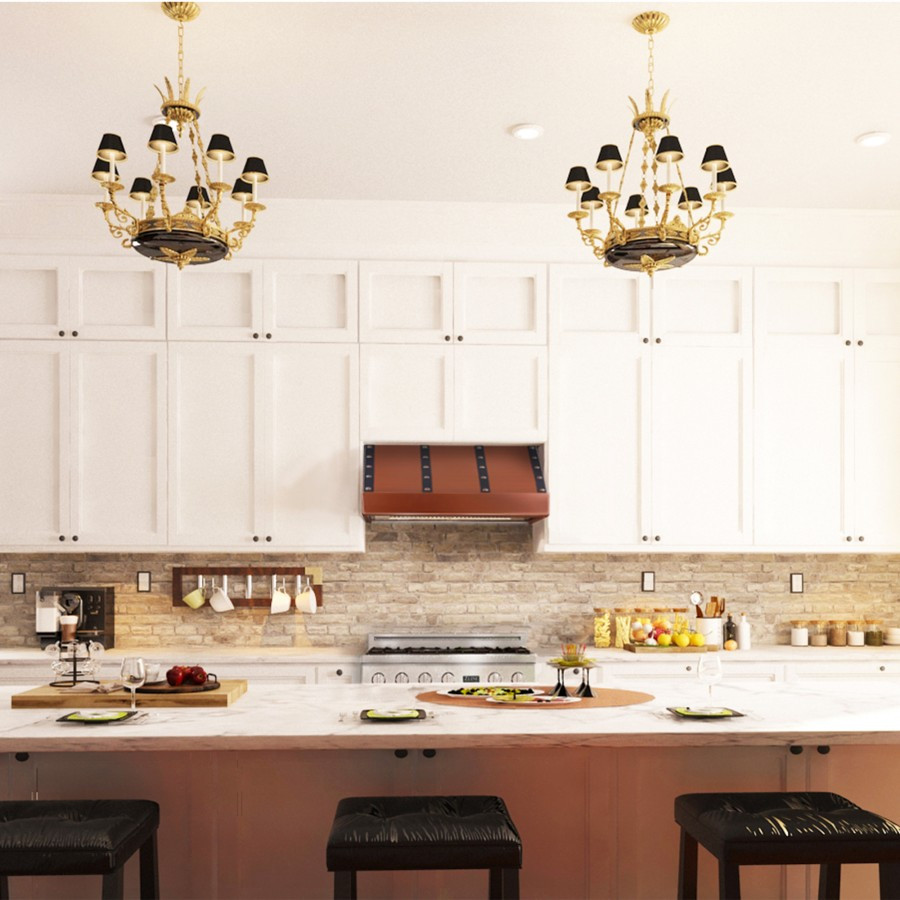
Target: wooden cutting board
[(47, 697), (643, 648)]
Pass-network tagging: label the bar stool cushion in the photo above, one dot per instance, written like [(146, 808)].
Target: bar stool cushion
[(462, 832), (760, 823), (72, 837)]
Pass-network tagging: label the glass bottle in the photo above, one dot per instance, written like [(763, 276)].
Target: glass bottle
[(856, 633), (818, 634), (837, 633), (799, 633)]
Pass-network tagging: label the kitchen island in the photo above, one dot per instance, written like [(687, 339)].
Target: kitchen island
[(248, 792)]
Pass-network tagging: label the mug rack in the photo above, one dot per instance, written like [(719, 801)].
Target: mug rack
[(179, 573)]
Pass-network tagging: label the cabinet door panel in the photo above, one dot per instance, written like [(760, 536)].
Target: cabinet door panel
[(33, 297), (215, 444), (405, 302), (119, 443), (406, 393), (222, 304), (123, 299), (315, 454), (500, 394), (311, 300), (500, 303), (34, 457), (701, 446)]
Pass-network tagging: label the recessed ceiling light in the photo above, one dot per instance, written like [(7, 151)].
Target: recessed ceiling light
[(526, 131), (873, 138)]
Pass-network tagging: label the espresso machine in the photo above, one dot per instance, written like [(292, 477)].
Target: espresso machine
[(94, 607)]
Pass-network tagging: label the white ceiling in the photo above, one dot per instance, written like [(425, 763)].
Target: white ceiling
[(411, 101)]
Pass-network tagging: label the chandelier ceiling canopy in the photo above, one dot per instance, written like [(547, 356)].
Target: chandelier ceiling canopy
[(657, 237), (193, 234)]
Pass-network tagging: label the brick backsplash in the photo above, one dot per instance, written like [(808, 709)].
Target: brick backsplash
[(458, 577)]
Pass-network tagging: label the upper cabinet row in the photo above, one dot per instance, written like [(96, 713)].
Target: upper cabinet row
[(279, 300)]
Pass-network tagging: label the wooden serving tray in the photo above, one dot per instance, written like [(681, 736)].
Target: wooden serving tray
[(643, 648), (163, 687), (47, 697), (602, 697)]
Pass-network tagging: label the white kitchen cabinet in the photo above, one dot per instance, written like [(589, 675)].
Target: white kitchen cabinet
[(453, 303), (99, 298), (264, 447), (89, 470), (421, 393), (271, 301), (650, 395)]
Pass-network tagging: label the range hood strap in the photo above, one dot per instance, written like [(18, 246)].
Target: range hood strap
[(369, 468), (481, 462), (539, 482), (425, 459)]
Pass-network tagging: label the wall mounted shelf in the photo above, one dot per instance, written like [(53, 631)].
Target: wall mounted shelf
[(179, 573)]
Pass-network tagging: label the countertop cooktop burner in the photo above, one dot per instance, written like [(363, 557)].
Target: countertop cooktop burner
[(443, 650)]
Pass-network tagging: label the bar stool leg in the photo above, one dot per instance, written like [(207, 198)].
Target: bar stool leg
[(345, 885), (829, 881), (114, 885), (729, 881), (503, 884), (687, 867), (888, 878), (149, 869), (4, 888)]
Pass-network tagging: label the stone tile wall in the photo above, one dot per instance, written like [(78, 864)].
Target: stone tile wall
[(458, 577)]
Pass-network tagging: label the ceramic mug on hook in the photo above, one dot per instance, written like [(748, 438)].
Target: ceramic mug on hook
[(281, 599), (305, 601), (219, 600)]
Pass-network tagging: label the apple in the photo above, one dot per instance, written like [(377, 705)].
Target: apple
[(175, 675), (198, 675)]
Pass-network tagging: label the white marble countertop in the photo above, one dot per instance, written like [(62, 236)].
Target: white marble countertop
[(321, 717)]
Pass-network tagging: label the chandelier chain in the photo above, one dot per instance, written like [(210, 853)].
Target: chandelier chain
[(650, 84), (181, 57)]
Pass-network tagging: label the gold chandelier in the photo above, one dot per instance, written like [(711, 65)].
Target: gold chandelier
[(194, 234), (661, 240)]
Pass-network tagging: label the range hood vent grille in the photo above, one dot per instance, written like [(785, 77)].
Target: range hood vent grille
[(453, 483)]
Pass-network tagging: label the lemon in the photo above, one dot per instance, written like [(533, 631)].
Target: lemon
[(697, 639), (664, 640), (682, 639)]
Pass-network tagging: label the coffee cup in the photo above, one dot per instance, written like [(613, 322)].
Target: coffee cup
[(195, 599), (281, 602), (220, 601), (67, 627), (305, 601)]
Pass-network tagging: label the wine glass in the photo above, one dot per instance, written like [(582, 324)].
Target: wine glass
[(134, 674), (709, 670)]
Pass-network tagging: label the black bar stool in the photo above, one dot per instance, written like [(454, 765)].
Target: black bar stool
[(391, 833), (80, 837), (755, 829)]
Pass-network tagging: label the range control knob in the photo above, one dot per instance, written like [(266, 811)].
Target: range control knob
[(425, 678), (401, 678), (447, 677), (378, 678), (494, 677), (517, 677)]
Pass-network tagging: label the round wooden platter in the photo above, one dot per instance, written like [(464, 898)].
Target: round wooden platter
[(602, 697)]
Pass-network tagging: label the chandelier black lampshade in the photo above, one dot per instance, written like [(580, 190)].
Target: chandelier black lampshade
[(102, 169), (726, 180), (255, 171), (590, 199), (242, 191), (220, 148), (690, 199), (111, 148), (714, 160), (141, 189), (669, 150), (578, 179), (609, 159), (198, 197), (162, 139), (635, 205)]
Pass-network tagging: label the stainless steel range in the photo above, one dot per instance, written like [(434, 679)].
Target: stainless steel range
[(446, 658)]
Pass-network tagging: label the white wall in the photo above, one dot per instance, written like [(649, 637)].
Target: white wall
[(467, 231)]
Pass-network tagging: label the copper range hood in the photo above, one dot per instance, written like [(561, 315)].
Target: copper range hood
[(458, 483)]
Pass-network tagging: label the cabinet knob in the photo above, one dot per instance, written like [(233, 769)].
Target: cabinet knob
[(74, 537), (656, 537), (847, 343), (459, 337), (645, 537), (849, 537), (429, 754), (269, 538), (75, 334), (62, 537), (339, 672), (688, 668), (659, 340), (796, 750), (859, 343), (401, 754), (446, 337), (862, 537), (255, 335), (823, 749), (255, 538), (881, 668), (268, 335), (646, 340), (62, 334)]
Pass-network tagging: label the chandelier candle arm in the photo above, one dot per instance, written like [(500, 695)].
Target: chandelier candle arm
[(195, 234), (658, 239)]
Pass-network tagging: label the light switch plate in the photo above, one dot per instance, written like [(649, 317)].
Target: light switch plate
[(648, 581), (17, 583), (143, 582), (796, 582)]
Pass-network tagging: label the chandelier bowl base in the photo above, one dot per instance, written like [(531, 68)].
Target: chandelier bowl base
[(648, 253), (185, 244)]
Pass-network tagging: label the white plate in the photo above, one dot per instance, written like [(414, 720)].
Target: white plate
[(483, 691), (535, 701)]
